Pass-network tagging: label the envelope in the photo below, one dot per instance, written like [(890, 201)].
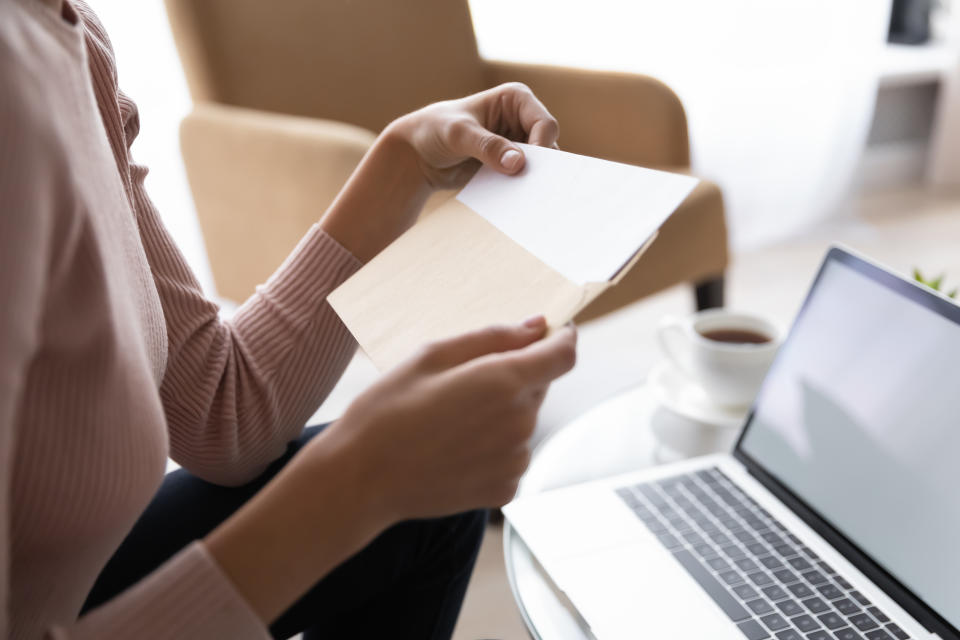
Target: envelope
[(548, 241)]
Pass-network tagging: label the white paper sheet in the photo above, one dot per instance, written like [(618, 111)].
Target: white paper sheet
[(582, 216)]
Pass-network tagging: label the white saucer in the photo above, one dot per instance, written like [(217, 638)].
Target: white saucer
[(685, 398)]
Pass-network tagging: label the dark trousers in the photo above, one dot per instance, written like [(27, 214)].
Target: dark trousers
[(408, 583)]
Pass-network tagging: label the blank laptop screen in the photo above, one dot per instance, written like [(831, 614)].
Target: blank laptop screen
[(860, 418)]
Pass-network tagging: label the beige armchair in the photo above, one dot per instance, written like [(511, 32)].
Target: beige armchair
[(289, 95)]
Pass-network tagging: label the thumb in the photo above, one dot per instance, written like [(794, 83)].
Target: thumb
[(451, 352), (491, 149)]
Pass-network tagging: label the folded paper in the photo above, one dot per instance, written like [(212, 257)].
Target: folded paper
[(547, 241)]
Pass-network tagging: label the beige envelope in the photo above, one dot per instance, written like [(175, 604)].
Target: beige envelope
[(451, 273)]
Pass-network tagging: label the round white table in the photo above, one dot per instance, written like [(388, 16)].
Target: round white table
[(614, 437)]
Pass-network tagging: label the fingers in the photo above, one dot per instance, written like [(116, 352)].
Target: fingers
[(470, 139), (541, 127), (510, 109), (540, 363), (497, 339)]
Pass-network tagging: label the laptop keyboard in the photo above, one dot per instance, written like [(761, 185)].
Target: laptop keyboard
[(763, 577)]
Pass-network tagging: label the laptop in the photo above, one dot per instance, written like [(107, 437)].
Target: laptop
[(836, 516)]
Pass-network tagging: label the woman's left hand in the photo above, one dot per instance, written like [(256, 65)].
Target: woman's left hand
[(452, 138), (437, 147)]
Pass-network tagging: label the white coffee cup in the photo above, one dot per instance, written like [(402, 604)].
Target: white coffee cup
[(728, 367)]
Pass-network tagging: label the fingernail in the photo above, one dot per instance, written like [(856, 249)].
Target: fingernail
[(510, 159), (534, 322)]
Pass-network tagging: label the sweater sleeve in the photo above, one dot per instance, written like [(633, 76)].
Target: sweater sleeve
[(236, 392), (187, 598)]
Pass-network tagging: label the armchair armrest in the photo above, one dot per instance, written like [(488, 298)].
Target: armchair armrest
[(259, 180), (618, 116)]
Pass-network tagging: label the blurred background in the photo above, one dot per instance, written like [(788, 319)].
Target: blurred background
[(794, 106)]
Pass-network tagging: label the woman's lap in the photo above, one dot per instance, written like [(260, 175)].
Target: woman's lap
[(408, 582)]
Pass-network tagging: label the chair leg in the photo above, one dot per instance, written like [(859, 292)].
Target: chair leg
[(709, 293)]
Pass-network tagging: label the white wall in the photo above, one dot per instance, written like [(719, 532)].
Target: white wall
[(778, 93)]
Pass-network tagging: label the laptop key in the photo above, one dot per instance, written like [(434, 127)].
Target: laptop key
[(718, 564), (863, 622), (759, 578), (704, 550), (859, 597), (734, 610), (744, 536), (745, 592), (668, 540), (789, 608), (846, 606), (843, 583), (760, 606), (847, 634), (785, 576), (805, 623), (816, 605), (788, 634), (775, 592), (898, 632), (730, 577), (800, 563), (810, 553), (879, 615), (775, 622), (746, 564), (878, 634), (732, 551), (772, 538), (814, 577), (756, 549), (800, 590), (720, 538), (771, 563), (830, 591), (819, 635), (785, 550), (692, 537), (753, 630), (831, 620)]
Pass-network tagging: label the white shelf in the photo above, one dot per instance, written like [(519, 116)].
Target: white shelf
[(914, 64)]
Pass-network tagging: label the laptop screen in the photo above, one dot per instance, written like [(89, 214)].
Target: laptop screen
[(859, 418)]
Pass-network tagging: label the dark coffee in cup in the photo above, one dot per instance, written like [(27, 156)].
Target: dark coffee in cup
[(736, 336), (725, 353)]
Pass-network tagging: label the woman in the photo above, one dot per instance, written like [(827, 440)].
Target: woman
[(110, 357)]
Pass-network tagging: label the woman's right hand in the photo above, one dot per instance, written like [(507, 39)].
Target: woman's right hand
[(449, 429)]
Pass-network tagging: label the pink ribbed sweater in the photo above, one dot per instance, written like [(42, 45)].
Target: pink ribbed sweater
[(111, 357)]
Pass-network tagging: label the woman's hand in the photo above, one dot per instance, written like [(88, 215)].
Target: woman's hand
[(446, 431), (449, 430), (439, 146), (452, 138)]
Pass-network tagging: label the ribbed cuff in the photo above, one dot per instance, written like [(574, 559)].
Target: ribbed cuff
[(316, 267), (294, 295), (188, 598)]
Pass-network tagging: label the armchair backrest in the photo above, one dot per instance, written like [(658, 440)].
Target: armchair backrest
[(357, 61)]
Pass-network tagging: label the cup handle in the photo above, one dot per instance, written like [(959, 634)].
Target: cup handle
[(673, 343)]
